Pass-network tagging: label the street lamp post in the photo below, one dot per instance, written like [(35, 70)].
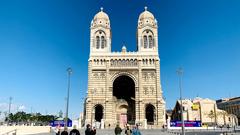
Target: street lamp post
[(9, 108), (180, 73), (69, 70)]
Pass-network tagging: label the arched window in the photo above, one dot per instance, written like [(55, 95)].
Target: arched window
[(102, 42), (97, 42), (145, 41), (100, 39), (150, 41)]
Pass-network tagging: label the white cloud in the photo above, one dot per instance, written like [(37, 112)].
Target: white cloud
[(21, 108)]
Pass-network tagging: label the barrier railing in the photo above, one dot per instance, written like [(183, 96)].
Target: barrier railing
[(12, 132)]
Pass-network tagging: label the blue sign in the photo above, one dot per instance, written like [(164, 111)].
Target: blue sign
[(60, 123), (187, 123)]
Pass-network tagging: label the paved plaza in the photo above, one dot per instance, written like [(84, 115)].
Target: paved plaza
[(161, 132)]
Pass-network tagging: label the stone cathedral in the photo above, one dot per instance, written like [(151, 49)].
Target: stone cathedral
[(124, 87)]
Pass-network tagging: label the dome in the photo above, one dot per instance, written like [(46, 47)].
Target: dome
[(101, 19), (124, 49), (146, 18), (146, 15), (101, 15)]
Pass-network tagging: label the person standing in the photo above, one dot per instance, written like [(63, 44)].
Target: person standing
[(128, 131), (88, 130), (94, 131), (74, 131), (65, 132), (136, 131), (118, 130)]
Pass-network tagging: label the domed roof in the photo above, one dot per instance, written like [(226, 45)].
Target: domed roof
[(146, 14), (124, 49), (101, 15), (146, 18), (100, 19)]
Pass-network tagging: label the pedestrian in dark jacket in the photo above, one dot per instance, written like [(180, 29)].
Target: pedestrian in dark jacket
[(74, 131), (118, 130), (64, 132), (88, 130), (94, 131)]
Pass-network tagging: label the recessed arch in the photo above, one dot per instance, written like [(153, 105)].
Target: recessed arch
[(150, 113), (100, 36), (147, 32), (148, 39), (100, 32), (98, 112), (124, 91), (114, 76)]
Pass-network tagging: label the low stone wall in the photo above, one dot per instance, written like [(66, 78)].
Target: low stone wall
[(24, 130)]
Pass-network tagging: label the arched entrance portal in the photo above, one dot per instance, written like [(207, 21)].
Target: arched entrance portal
[(98, 113), (150, 114), (124, 91)]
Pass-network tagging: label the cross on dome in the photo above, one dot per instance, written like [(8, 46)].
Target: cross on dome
[(101, 8)]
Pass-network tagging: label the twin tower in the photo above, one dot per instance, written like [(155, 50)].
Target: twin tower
[(124, 87), (101, 36)]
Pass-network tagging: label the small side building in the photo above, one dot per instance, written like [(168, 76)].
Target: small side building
[(204, 110), (230, 105)]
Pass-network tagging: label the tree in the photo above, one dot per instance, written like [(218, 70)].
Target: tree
[(28, 118), (211, 115)]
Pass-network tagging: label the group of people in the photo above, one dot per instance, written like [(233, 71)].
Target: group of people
[(128, 131), (74, 131), (92, 131)]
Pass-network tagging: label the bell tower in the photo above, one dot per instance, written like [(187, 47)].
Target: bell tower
[(100, 34), (147, 34)]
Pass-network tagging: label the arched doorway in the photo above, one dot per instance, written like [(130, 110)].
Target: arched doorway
[(124, 91), (98, 112), (149, 110)]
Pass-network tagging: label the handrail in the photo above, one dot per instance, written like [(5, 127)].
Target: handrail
[(6, 133)]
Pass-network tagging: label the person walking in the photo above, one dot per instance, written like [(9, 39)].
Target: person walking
[(65, 132), (128, 131), (88, 130), (118, 130), (74, 131), (94, 131), (136, 131)]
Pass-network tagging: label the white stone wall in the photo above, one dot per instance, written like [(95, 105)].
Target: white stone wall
[(142, 66), (146, 75)]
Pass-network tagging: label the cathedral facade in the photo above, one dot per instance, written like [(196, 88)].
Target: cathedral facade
[(124, 87)]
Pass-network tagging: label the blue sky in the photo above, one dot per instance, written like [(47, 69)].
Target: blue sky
[(40, 39)]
